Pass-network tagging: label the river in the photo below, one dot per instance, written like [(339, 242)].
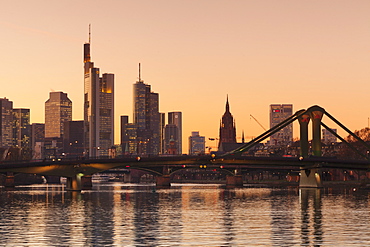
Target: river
[(118, 214)]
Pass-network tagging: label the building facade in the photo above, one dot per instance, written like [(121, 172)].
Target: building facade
[(6, 123), (58, 109), (171, 133), (21, 128), (176, 119), (162, 123), (327, 137), (73, 139), (227, 127), (146, 118), (278, 113), (98, 108), (37, 140), (197, 143), (22, 132)]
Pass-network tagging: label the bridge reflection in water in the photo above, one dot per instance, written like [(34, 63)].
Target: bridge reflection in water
[(188, 215)]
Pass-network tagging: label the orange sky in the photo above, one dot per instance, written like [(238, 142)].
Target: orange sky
[(193, 53)]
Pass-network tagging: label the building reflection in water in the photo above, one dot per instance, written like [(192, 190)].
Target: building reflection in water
[(186, 215)]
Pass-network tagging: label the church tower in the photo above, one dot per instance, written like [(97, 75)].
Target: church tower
[(227, 127)]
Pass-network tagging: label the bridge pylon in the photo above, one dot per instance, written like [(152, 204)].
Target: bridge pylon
[(310, 177)]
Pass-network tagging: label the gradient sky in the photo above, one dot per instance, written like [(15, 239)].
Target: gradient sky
[(193, 53)]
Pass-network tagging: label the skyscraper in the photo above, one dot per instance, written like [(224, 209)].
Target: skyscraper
[(58, 109), (21, 129), (73, 138), (279, 113), (176, 119), (171, 132), (227, 127), (98, 108), (146, 118), (6, 123), (197, 143), (162, 123), (124, 136), (37, 140)]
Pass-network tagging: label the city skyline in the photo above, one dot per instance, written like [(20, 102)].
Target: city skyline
[(194, 54)]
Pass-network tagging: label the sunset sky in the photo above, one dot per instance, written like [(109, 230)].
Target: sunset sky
[(194, 53)]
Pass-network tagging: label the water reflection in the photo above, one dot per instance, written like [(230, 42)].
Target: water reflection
[(311, 216), (190, 215)]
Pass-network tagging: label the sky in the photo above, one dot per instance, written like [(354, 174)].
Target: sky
[(194, 53)]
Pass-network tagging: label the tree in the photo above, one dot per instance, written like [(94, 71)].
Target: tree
[(348, 153)]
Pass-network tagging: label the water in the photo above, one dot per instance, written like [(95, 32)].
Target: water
[(184, 215)]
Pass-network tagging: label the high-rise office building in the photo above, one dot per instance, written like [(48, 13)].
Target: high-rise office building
[(124, 136), (162, 123), (279, 113), (176, 119), (73, 138), (146, 118), (58, 109), (98, 108), (22, 129), (6, 123), (227, 127), (171, 133), (328, 137), (132, 143), (197, 143), (37, 140)]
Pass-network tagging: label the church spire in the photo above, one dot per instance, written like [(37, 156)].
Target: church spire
[(227, 103)]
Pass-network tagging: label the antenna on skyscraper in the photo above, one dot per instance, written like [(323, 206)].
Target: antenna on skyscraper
[(89, 33), (139, 73)]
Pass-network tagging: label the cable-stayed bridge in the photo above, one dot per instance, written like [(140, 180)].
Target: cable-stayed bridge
[(79, 171)]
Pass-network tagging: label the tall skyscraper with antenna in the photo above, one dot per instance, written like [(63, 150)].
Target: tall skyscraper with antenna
[(98, 107), (146, 118)]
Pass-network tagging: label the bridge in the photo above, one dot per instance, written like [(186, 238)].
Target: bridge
[(79, 171)]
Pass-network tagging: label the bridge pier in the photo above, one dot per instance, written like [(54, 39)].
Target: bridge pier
[(163, 181), (234, 181), (86, 182), (74, 183), (9, 180), (310, 178)]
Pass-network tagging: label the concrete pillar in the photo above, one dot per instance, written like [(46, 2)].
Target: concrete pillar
[(86, 182), (310, 178), (316, 114), (303, 124), (163, 181), (9, 180), (74, 183), (234, 181)]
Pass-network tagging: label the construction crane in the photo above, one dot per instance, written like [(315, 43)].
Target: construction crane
[(258, 123)]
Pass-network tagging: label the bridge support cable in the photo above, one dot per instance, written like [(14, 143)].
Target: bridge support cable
[(267, 134), (347, 130), (344, 141)]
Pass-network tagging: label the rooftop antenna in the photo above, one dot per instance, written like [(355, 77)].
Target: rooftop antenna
[(89, 33), (139, 73)]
